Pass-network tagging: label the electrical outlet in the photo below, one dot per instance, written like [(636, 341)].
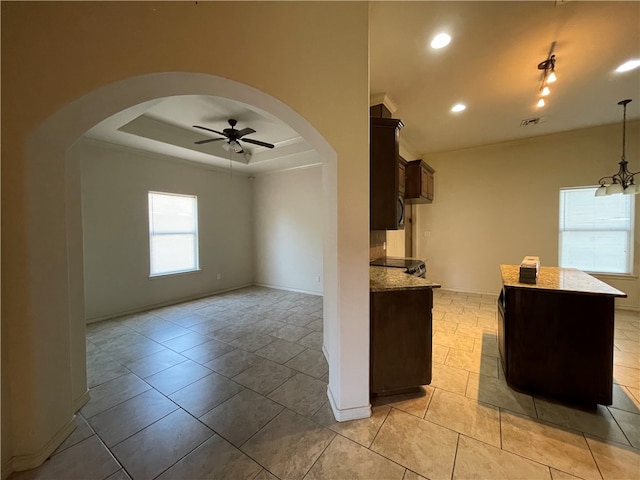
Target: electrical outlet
[(317, 278), (219, 276), (427, 234), (384, 245)]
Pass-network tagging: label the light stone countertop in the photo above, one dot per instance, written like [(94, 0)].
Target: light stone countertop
[(383, 279), (560, 279)]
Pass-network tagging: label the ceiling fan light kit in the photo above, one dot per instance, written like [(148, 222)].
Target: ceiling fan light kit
[(623, 181), (233, 137)]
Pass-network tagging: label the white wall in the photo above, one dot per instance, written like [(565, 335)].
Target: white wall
[(115, 184), (495, 204), (288, 212)]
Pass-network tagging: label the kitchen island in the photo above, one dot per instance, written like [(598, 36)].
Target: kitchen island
[(556, 336), (400, 314)]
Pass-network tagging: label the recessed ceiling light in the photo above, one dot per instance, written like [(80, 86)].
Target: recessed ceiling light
[(628, 65), (458, 107), (441, 40)]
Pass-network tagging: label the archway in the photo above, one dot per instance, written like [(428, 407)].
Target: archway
[(46, 156)]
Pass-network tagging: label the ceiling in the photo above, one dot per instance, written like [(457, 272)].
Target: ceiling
[(490, 65)]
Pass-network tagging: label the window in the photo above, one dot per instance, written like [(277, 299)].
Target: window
[(173, 233), (596, 233)]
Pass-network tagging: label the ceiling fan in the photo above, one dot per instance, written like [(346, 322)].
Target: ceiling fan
[(233, 137)]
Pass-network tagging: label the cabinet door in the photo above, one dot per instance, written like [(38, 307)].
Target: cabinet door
[(401, 178)]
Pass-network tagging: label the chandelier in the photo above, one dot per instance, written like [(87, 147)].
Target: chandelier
[(548, 75), (623, 181)]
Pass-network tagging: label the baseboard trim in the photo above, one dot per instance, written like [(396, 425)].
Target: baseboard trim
[(349, 413), (297, 290), (27, 462), (82, 401), (146, 308)]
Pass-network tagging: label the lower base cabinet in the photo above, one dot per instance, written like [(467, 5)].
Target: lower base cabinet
[(401, 347)]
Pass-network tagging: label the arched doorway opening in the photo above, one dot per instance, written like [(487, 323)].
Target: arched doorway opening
[(47, 153)]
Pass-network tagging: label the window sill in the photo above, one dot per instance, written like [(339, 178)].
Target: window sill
[(173, 274)]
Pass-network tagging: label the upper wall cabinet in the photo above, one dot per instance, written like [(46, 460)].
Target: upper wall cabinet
[(419, 182), (386, 209)]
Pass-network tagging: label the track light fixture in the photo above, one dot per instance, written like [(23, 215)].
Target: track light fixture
[(548, 75), (623, 181)]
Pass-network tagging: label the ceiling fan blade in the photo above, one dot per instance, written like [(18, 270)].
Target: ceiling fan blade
[(200, 142), (257, 142), (245, 131), (209, 130)]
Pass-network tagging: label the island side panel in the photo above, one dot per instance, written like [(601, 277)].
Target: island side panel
[(559, 344)]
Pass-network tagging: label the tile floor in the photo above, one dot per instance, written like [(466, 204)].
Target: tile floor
[(234, 386)]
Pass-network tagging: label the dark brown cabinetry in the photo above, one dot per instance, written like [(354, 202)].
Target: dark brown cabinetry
[(386, 210), (419, 182), (557, 341), (400, 340)]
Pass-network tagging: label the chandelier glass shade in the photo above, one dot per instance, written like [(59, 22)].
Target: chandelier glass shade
[(623, 181)]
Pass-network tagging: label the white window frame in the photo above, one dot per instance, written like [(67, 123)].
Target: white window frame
[(154, 271), (598, 230)]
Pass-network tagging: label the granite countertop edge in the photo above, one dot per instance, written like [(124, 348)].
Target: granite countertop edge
[(382, 279)]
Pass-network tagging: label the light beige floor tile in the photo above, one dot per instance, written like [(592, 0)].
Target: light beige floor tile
[(487, 345), (82, 432), (313, 340), (280, 351), (362, 431), (449, 378), (311, 362), (289, 445), (623, 399), (462, 318), (627, 376), (461, 342), (439, 354), (558, 475), (344, 459), (215, 458), (496, 392), (87, 459), (554, 446), (264, 377), (205, 352), (102, 367), (232, 363), (616, 462), (626, 359), (154, 363), (265, 475), (179, 376), (488, 321), (112, 393), (292, 333), (119, 475), (423, 447), (238, 418), (472, 331), (169, 331), (252, 342), (302, 394), (316, 325), (151, 451), (473, 362), (184, 342), (128, 418), (205, 394), (630, 425), (632, 346), (441, 325), (477, 460), (598, 421), (466, 416), (409, 475), (413, 403)]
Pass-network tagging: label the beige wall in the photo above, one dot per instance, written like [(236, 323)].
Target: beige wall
[(313, 57), (499, 203)]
